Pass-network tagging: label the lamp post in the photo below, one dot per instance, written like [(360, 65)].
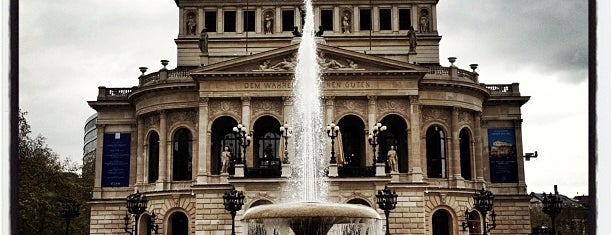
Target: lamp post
[(386, 200), (332, 131), (483, 202), (69, 211), (233, 201), (285, 133), (136, 205), (245, 140), (552, 206), (373, 140)]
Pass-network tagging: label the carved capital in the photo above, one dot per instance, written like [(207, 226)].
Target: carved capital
[(372, 99), (245, 100), (414, 99), (204, 101), (329, 100), (288, 100)]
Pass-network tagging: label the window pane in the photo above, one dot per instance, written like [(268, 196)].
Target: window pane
[(365, 19), (288, 20), (385, 19), (210, 21), (249, 21), (229, 21), (404, 19), (327, 19)]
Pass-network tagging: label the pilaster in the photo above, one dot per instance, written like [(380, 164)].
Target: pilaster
[(520, 161), (246, 121), (163, 146), (98, 162), (455, 159), (414, 159), (140, 151), (370, 124), (479, 169), (203, 141)]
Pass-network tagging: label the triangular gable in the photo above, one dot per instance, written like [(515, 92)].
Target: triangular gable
[(331, 59)]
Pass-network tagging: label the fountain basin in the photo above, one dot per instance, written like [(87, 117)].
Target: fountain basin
[(313, 218)]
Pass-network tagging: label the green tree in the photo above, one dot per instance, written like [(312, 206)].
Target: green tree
[(45, 183)]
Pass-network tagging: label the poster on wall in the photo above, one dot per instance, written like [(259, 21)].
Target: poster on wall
[(116, 160), (502, 156)]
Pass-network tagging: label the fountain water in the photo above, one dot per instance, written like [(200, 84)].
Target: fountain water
[(311, 214)]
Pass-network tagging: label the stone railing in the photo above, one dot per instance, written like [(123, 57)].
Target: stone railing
[(174, 75), (503, 89), (450, 73), (113, 93)]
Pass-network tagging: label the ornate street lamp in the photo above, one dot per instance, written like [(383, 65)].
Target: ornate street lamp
[(69, 211), (552, 206), (483, 202), (245, 140), (373, 140), (386, 200), (332, 131), (136, 205), (285, 133), (233, 201)]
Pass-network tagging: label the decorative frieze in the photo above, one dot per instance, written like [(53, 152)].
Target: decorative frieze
[(436, 114), (182, 116), (354, 106), (151, 121), (221, 107), (385, 106), (266, 106), (466, 117)]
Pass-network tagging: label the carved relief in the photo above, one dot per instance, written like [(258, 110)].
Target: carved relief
[(325, 62), (346, 20), (391, 106), (343, 106), (268, 21), (182, 116), (151, 121), (436, 114), (285, 64), (260, 107), (220, 107), (466, 117)]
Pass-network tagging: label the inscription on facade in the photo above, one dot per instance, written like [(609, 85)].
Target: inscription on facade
[(325, 85)]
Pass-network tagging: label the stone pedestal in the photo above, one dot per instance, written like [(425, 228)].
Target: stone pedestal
[(239, 171), (412, 57), (395, 176), (160, 185), (416, 175), (333, 170), (286, 170), (224, 178), (380, 169), (201, 179), (204, 59)]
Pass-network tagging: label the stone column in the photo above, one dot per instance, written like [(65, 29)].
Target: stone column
[(478, 150), (370, 123), (287, 107), (140, 166), (354, 20), (246, 121), (455, 153), (220, 19), (414, 158), (200, 21), (98, 161), (337, 21), (395, 18), (485, 153), (163, 148), (520, 161), (240, 27), (433, 19), (375, 24), (329, 118), (258, 20), (278, 18), (203, 141)]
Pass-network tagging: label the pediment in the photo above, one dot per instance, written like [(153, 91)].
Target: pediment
[(331, 59)]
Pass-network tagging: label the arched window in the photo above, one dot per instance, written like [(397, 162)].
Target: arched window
[(153, 157), (358, 201), (179, 224), (465, 153), (436, 152), (182, 152), (266, 135), (223, 136), (353, 141), (475, 223), (144, 226), (441, 223), (396, 135)]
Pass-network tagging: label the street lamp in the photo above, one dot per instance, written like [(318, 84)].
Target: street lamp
[(483, 202), (285, 133), (245, 140), (69, 211), (233, 201), (332, 131), (136, 205), (552, 206), (386, 200), (373, 140)]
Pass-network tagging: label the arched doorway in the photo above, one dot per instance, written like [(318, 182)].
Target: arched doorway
[(144, 226), (396, 135), (475, 224), (441, 223), (182, 157), (222, 136), (178, 224), (266, 140), (353, 137)]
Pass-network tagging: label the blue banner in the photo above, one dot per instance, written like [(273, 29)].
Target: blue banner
[(116, 160), (502, 156)]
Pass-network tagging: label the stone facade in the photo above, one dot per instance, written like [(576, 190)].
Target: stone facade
[(178, 121)]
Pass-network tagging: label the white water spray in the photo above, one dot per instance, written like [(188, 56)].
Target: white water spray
[(308, 143)]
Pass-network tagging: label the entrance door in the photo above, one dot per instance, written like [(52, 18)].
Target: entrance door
[(440, 223), (179, 224)]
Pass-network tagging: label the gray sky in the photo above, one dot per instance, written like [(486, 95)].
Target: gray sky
[(69, 48)]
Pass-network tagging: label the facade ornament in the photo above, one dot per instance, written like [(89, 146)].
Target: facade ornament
[(436, 114), (424, 21), (268, 22), (344, 106), (203, 42), (346, 21), (266, 106), (412, 40), (190, 24), (180, 116), (220, 107)]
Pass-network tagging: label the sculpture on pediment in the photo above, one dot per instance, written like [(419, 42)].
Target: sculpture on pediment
[(424, 21), (352, 64), (327, 63), (191, 24), (268, 23), (285, 65), (203, 42), (346, 22), (412, 40)]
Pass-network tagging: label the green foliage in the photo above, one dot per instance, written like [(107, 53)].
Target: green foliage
[(45, 183)]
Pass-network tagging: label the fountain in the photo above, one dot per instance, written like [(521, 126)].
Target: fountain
[(305, 210)]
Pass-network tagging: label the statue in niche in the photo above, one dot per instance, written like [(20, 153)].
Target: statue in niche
[(191, 24), (268, 23), (226, 155), (412, 40), (346, 22), (203, 42), (392, 158), (424, 21)]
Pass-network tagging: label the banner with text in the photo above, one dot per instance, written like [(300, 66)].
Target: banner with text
[(116, 160), (502, 156)]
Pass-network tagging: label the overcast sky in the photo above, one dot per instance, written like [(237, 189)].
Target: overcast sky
[(69, 48)]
